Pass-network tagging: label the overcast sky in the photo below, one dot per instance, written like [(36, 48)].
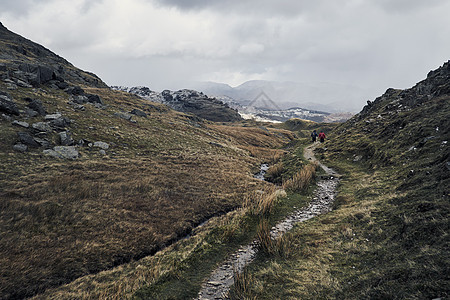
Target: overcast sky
[(372, 44)]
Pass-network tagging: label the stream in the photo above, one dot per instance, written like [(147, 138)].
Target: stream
[(221, 279)]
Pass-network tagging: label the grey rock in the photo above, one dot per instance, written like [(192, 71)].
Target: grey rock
[(23, 84), (42, 127), (65, 138), (7, 118), (76, 90), (79, 99), (27, 139), (102, 145), (52, 116), (94, 99), (21, 124), (102, 152), (138, 113), (8, 106), (77, 105), (43, 142), (63, 152), (20, 147), (357, 158), (37, 74), (124, 116), (11, 86), (62, 122), (36, 105), (31, 113)]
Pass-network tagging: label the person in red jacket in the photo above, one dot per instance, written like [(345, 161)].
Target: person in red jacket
[(322, 136)]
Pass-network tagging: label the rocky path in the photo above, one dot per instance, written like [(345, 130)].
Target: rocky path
[(218, 284)]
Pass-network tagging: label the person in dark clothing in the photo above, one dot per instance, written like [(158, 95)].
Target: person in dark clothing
[(314, 136), (322, 136)]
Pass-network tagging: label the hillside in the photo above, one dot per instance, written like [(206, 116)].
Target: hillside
[(92, 178), (387, 237)]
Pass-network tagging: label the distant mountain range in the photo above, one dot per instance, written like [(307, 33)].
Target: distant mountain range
[(329, 97), (225, 109)]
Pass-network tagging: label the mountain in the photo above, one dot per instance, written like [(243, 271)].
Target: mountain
[(188, 101), (329, 97), (93, 178)]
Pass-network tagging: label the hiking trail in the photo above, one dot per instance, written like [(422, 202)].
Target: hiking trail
[(219, 282)]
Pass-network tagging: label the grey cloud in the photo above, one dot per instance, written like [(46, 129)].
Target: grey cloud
[(252, 7), (406, 6), (25, 7), (17, 7)]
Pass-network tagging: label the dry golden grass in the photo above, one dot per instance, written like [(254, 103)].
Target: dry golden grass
[(275, 170), (163, 175), (262, 202), (268, 245), (301, 179)]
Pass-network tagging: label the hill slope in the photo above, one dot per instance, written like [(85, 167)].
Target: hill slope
[(92, 178), (387, 237)]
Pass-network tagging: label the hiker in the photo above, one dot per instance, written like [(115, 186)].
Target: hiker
[(322, 136), (314, 136)]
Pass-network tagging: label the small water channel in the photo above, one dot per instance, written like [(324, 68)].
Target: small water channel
[(221, 279)]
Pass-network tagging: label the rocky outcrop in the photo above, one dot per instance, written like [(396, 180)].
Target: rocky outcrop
[(188, 101), (436, 84), (27, 64)]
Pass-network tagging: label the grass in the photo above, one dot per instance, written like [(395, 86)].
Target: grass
[(162, 176), (387, 237), (178, 270)]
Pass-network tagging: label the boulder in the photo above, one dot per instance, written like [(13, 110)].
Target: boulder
[(102, 145), (43, 142), (94, 99), (61, 122), (42, 127), (21, 124), (63, 152), (31, 113), (8, 106), (65, 138), (37, 106), (79, 99), (20, 147), (52, 116), (27, 139), (124, 116), (76, 91), (36, 74), (138, 113)]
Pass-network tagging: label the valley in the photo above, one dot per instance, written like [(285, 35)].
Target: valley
[(107, 194)]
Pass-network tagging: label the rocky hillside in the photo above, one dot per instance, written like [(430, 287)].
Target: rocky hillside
[(92, 178), (403, 126), (400, 144), (27, 64), (188, 101)]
